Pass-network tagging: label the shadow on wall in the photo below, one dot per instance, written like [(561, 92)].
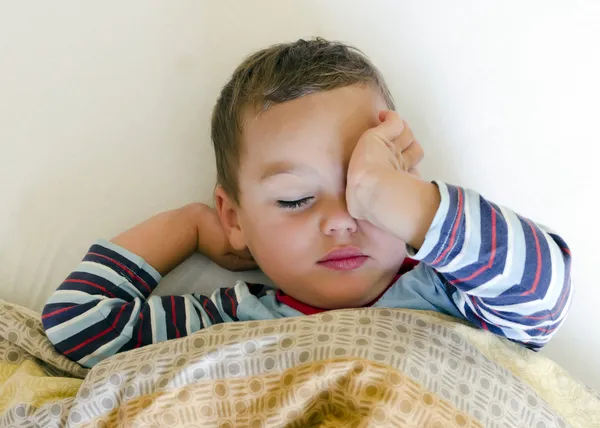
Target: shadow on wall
[(125, 141)]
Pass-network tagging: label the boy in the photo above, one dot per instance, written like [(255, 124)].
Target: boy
[(316, 186)]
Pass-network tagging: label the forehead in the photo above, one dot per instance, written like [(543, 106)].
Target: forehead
[(313, 130)]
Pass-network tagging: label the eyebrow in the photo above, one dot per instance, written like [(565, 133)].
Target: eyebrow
[(284, 167)]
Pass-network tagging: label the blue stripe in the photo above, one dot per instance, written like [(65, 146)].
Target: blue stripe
[(485, 252), (111, 276), (70, 297), (140, 263), (90, 317), (446, 229), (67, 315), (97, 280)]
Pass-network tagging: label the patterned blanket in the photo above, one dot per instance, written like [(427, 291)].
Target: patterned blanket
[(352, 368)]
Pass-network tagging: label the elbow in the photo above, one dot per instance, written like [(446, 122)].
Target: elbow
[(54, 316), (556, 315)]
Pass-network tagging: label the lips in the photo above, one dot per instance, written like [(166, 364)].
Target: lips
[(345, 258)]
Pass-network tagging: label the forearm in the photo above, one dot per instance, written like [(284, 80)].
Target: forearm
[(504, 272), (405, 206), (166, 239), (105, 306)]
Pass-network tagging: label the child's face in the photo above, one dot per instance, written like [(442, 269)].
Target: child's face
[(299, 151)]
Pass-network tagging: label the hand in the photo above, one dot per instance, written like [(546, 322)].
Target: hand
[(389, 148), (214, 244)]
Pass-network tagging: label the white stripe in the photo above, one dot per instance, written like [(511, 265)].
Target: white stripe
[(158, 319), (516, 331), (133, 258), (111, 348), (188, 320), (73, 296), (555, 287), (194, 320), (432, 238), (206, 322), (75, 320), (152, 320), (99, 266), (514, 265), (513, 331), (501, 321), (470, 250), (110, 275), (515, 260), (199, 309), (216, 299), (241, 291)]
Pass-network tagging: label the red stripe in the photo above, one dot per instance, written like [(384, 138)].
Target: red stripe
[(58, 311), (91, 284), (207, 311), (538, 269), (454, 229), (233, 304), (297, 304), (561, 305), (174, 314), (125, 268), (545, 329), (492, 255), (566, 251), (99, 335)]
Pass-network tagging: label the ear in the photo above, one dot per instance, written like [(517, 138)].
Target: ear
[(227, 210)]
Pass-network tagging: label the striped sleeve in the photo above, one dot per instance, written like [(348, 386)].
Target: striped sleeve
[(504, 273), (104, 307)]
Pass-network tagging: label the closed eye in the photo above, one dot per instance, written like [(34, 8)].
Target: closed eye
[(292, 205)]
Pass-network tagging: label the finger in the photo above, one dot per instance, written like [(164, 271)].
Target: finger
[(413, 155), (405, 138), (391, 125)]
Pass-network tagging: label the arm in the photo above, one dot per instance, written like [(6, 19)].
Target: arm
[(104, 306), (504, 273), (169, 238)]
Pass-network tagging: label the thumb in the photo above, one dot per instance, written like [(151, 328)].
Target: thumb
[(391, 125)]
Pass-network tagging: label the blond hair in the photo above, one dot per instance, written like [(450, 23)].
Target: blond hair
[(277, 74)]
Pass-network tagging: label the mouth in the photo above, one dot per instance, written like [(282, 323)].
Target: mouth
[(344, 258)]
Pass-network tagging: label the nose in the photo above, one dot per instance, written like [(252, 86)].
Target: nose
[(336, 220)]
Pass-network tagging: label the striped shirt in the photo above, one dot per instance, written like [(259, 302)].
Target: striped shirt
[(480, 262)]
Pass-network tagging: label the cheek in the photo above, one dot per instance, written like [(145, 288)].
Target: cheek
[(274, 237)]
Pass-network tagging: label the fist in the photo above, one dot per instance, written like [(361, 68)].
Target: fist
[(389, 148)]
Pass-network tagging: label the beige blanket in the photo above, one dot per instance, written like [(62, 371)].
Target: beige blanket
[(354, 368)]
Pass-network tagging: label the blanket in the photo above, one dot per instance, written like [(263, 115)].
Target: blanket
[(354, 368)]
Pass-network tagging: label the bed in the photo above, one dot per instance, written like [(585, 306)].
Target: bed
[(354, 368)]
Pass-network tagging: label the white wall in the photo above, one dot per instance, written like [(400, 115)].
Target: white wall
[(104, 112)]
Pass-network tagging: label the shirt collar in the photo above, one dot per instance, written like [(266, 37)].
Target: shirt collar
[(407, 265)]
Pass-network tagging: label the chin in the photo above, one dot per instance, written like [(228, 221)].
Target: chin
[(348, 297)]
